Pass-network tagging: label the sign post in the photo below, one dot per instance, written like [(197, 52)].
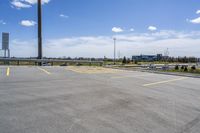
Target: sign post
[(5, 44)]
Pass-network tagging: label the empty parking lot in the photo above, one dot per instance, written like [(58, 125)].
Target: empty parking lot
[(96, 100)]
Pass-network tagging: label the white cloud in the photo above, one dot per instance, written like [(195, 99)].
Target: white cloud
[(117, 29), (18, 4), (21, 48), (131, 29), (2, 22), (28, 23), (35, 1), (152, 28), (63, 16), (195, 21), (26, 3), (198, 12), (179, 44)]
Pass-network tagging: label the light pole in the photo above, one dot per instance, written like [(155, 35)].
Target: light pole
[(114, 50), (39, 31)]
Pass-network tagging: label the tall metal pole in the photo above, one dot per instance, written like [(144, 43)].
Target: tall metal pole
[(39, 30), (114, 50)]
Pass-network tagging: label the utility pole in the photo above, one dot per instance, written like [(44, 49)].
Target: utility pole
[(114, 50), (39, 31)]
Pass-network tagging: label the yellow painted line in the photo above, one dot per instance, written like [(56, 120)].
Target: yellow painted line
[(163, 82), (44, 70), (8, 72)]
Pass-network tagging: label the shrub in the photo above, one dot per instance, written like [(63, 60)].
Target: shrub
[(136, 62), (182, 67), (176, 67), (193, 68), (79, 64), (185, 69), (128, 61)]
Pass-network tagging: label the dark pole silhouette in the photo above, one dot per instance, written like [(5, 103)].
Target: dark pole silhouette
[(114, 50), (39, 30)]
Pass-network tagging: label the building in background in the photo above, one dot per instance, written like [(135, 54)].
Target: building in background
[(147, 57), (1, 53)]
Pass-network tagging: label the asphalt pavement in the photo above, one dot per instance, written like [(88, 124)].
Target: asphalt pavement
[(96, 100)]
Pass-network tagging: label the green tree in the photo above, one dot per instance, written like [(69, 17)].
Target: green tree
[(124, 61)]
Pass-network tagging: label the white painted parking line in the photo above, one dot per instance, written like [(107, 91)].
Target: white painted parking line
[(163, 82), (47, 72)]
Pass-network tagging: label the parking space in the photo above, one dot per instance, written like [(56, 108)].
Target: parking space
[(94, 99)]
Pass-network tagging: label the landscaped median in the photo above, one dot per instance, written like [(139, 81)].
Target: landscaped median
[(183, 70), (177, 70)]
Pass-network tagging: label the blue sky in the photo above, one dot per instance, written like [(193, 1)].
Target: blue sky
[(86, 28)]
